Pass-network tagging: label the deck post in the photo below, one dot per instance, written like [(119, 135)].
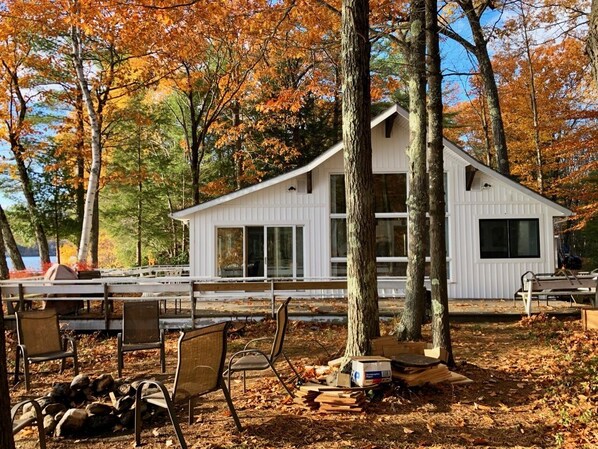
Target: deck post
[(106, 307), (21, 298), (192, 301)]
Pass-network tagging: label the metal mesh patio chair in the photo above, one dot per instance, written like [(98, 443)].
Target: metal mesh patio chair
[(35, 418), (201, 355), (39, 340), (252, 359), (140, 331)]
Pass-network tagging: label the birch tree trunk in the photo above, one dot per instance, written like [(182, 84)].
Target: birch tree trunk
[(438, 274), (362, 290), (410, 325), (96, 159), (10, 242)]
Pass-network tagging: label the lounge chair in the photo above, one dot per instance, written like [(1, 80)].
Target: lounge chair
[(252, 359), (201, 355), (39, 340), (140, 331)]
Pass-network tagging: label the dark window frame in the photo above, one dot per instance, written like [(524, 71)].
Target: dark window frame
[(509, 224)]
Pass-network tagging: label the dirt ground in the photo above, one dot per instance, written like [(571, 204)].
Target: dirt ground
[(535, 386)]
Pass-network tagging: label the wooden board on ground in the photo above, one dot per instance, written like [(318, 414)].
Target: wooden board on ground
[(589, 319)]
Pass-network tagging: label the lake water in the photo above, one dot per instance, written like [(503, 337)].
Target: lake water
[(31, 262)]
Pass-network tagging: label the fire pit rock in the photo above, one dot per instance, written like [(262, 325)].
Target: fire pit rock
[(89, 406)]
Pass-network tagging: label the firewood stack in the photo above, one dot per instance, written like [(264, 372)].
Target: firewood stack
[(341, 402), (329, 399)]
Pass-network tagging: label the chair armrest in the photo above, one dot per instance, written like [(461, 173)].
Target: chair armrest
[(155, 383), (238, 354), (250, 342), (23, 350)]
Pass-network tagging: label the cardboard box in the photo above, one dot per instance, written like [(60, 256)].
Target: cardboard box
[(589, 319), (370, 370)]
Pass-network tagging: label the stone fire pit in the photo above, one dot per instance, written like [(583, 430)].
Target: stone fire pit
[(88, 407)]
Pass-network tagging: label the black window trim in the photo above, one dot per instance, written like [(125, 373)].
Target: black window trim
[(509, 220)]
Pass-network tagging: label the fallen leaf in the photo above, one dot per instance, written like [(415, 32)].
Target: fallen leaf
[(408, 431)]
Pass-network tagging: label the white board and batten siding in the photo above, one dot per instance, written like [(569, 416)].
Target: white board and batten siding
[(491, 196)]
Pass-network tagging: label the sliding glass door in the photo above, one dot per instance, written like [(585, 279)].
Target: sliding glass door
[(267, 251)]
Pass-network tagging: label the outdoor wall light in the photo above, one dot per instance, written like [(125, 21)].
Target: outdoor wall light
[(486, 186), (291, 189)]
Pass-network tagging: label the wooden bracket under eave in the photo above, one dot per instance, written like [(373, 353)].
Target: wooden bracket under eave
[(388, 123), (470, 172), (309, 184)]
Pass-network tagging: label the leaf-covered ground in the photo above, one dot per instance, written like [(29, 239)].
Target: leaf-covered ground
[(535, 386)]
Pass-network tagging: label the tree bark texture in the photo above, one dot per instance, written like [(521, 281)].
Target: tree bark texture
[(18, 151), (438, 273), (592, 42), (410, 325), (96, 156), (533, 103), (80, 147), (10, 242), (362, 288), (7, 440), (4, 274), (487, 72)]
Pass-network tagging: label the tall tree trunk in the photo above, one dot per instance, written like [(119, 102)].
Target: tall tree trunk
[(410, 325), (80, 151), (238, 156), (40, 233), (592, 42), (533, 103), (4, 273), (438, 274), (10, 242), (481, 52), (139, 200), (96, 157), (14, 138), (7, 440), (362, 289), (94, 242)]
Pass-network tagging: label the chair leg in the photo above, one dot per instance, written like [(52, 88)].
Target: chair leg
[(244, 384), (75, 362), (281, 381), (17, 364), (175, 422), (62, 365), (292, 367), (191, 410), (231, 407), (138, 421), (40, 427), (26, 371), (162, 357), (119, 356)]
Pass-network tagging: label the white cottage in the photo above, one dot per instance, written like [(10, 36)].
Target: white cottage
[(293, 226)]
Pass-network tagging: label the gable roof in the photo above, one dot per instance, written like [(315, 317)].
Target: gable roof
[(185, 214)]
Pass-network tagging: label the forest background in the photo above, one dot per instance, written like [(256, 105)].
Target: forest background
[(169, 105)]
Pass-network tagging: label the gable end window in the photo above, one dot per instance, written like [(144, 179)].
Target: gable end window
[(509, 238)]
